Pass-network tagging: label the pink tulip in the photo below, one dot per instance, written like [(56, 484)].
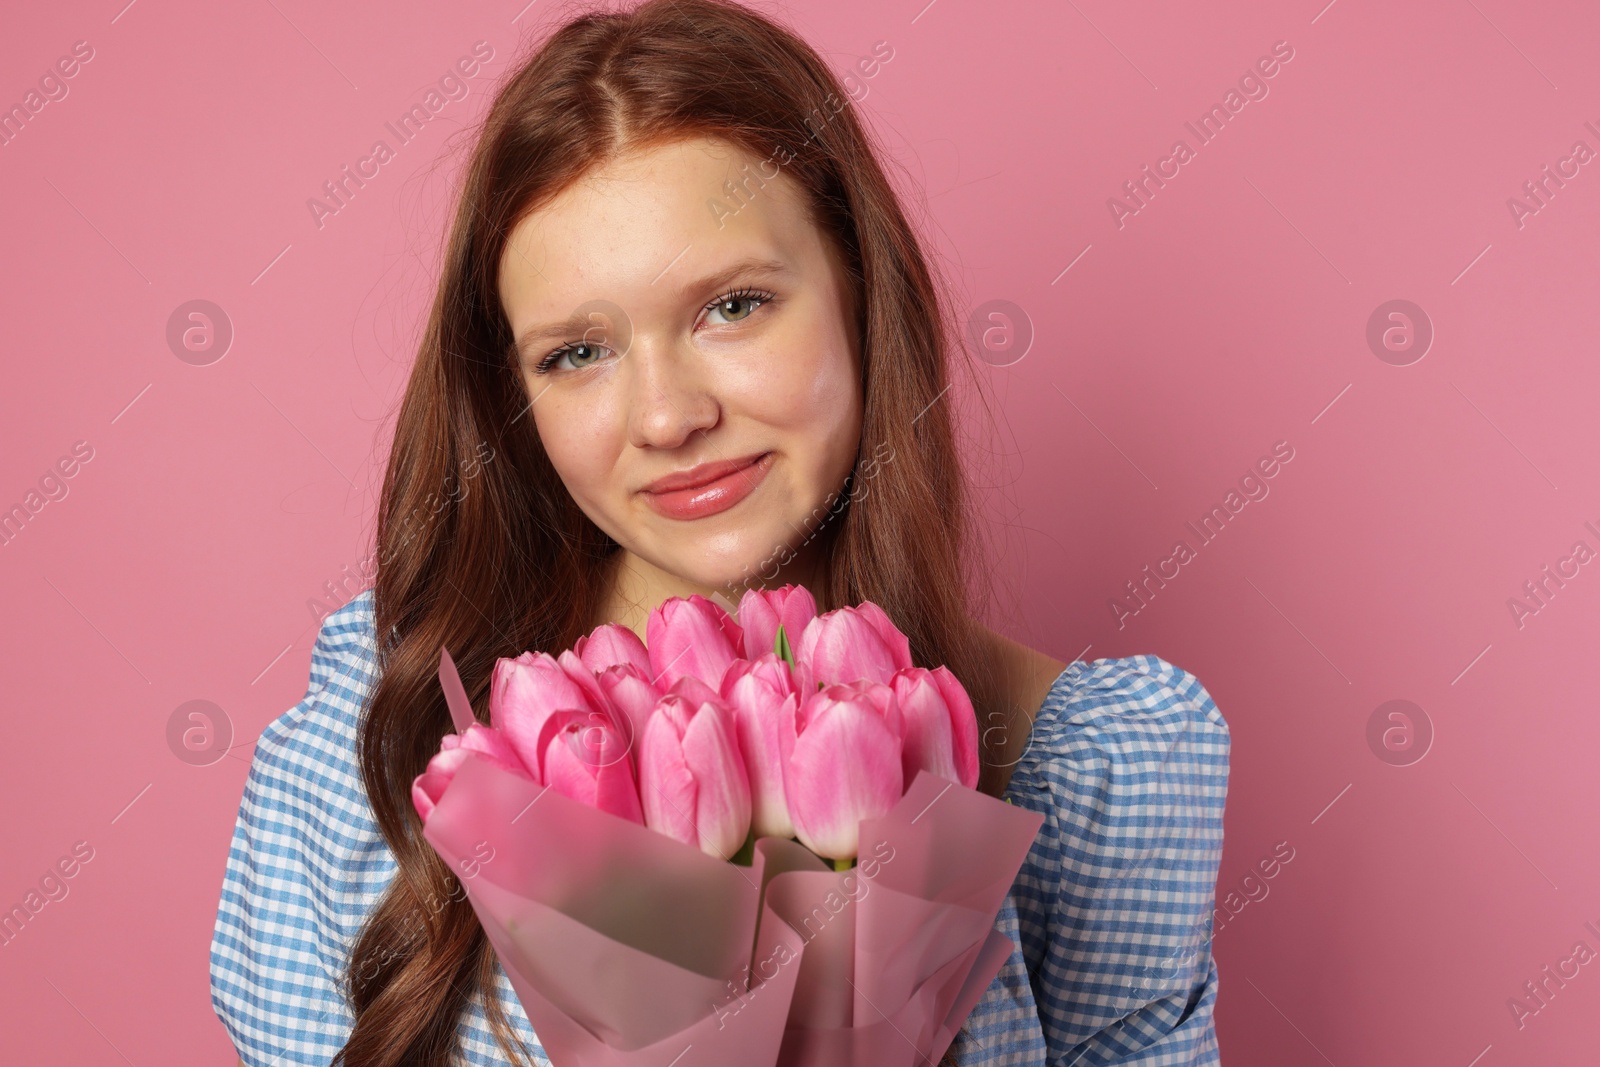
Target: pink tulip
[(628, 690), (762, 610), (586, 680), (851, 644), (692, 779), (610, 645), (691, 636), (941, 729), (486, 741), (525, 692), (763, 697), (697, 692), (427, 789), (587, 759), (843, 764), (597, 699)]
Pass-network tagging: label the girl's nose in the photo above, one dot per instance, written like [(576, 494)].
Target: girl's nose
[(671, 397)]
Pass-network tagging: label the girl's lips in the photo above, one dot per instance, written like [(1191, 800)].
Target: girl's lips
[(717, 495)]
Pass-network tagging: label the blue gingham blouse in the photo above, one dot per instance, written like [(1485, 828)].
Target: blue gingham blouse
[(1128, 763)]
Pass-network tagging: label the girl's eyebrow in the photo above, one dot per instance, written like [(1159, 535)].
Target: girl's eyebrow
[(742, 268), (576, 324), (537, 335)]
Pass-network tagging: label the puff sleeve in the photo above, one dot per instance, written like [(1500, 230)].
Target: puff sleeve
[(285, 916), (1128, 763)]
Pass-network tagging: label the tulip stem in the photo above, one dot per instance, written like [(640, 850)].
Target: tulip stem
[(844, 864), (745, 857)]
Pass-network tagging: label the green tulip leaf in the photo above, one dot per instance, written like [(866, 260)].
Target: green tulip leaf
[(780, 646)]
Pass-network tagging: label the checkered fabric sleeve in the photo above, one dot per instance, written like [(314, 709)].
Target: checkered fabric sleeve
[(1128, 764)]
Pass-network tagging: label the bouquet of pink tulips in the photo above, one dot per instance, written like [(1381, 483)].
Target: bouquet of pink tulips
[(593, 820)]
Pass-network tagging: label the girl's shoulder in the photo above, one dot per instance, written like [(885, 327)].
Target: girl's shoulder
[(1129, 701), (1132, 737), (317, 735), (305, 803), (304, 792), (1128, 761)]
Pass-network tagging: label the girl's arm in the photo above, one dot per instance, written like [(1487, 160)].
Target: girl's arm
[(1130, 769)]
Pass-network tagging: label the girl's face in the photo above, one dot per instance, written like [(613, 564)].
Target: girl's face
[(689, 358)]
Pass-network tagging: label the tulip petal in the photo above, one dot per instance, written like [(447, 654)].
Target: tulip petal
[(491, 744), (610, 645), (928, 743), (843, 646), (630, 694), (429, 786), (761, 611), (760, 730), (447, 761), (691, 636), (596, 697), (584, 678), (524, 693), (426, 790), (616, 791), (756, 691), (564, 768), (845, 767), (722, 802), (963, 726), (667, 788), (898, 644), (584, 762), (694, 691)]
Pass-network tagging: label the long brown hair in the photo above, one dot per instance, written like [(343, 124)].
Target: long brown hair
[(481, 549)]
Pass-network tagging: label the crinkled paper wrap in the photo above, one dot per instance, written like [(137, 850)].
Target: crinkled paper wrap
[(626, 947)]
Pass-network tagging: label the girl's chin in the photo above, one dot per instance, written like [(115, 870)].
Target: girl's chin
[(730, 560), (730, 575)]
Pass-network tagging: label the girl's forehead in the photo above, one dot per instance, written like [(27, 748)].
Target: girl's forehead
[(677, 180), (651, 220)]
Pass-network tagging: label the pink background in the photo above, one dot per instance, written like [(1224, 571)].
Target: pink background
[(1227, 315)]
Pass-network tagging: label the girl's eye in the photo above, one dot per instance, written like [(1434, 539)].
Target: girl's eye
[(732, 306), (578, 356), (736, 307)]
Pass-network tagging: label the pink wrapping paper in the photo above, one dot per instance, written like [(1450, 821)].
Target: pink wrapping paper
[(626, 947)]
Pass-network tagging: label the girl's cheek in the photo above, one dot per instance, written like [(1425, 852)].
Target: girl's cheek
[(799, 382)]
